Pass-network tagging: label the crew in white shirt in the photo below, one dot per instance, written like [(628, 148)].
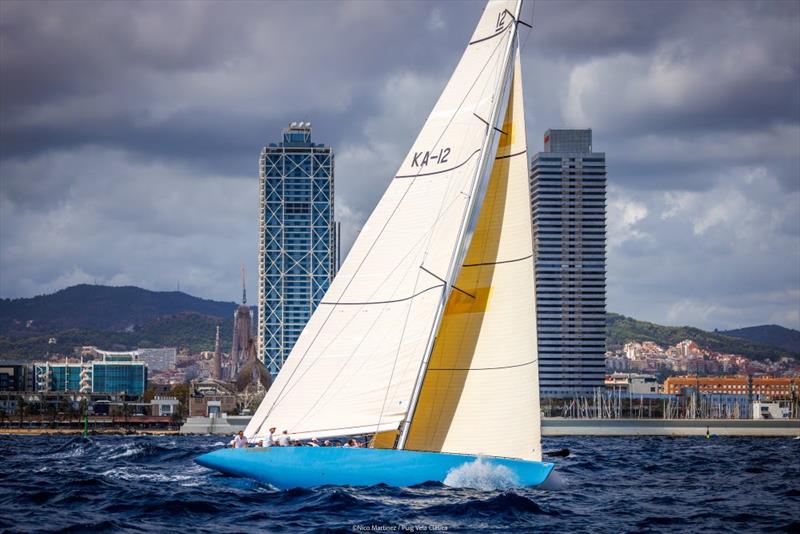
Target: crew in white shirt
[(239, 441), (270, 439), (283, 439)]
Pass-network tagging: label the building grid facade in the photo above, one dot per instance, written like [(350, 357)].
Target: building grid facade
[(568, 193), (298, 239)]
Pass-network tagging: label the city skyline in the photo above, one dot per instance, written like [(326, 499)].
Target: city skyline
[(115, 168)]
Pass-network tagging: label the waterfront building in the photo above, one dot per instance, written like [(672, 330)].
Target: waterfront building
[(161, 406), (115, 373), (212, 398), (298, 239), (632, 383), (757, 387), (568, 193)]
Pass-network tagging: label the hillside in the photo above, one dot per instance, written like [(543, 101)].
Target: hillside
[(121, 318), (770, 334), (112, 318), (186, 330), (622, 329), (94, 307)]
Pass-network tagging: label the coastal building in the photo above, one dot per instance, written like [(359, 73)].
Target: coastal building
[(632, 383), (114, 373), (298, 239), (568, 193), (211, 398), (164, 406), (758, 387)]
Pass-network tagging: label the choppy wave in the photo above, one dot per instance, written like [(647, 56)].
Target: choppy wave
[(151, 484)]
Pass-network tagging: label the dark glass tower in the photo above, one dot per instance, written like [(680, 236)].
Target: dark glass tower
[(298, 248), (568, 196)]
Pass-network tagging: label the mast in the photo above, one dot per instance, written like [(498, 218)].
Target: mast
[(478, 188)]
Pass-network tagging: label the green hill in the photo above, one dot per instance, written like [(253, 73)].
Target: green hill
[(621, 329), (94, 307), (122, 318), (111, 318), (770, 334)]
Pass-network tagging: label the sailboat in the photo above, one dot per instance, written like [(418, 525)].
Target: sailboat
[(426, 338)]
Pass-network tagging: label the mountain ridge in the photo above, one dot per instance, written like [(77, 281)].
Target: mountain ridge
[(126, 317)]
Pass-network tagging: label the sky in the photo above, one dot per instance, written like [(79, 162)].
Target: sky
[(130, 134)]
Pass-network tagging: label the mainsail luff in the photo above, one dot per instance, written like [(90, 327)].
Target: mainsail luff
[(480, 393), (353, 370), (463, 239)]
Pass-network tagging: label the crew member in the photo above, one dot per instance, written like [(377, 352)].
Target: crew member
[(239, 441)]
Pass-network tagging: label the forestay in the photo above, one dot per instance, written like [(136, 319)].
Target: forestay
[(354, 367)]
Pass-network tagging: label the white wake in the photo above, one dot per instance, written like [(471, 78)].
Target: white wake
[(481, 475)]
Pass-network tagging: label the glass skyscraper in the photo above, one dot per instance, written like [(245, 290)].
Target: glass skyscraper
[(568, 196), (298, 245)]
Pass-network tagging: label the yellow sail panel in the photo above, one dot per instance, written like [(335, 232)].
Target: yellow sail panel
[(480, 394), (384, 440)]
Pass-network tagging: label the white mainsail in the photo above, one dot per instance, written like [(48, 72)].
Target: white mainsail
[(357, 365)]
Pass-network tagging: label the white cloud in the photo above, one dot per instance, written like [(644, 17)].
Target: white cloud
[(623, 214)]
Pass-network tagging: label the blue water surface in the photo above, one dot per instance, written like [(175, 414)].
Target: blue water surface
[(643, 484)]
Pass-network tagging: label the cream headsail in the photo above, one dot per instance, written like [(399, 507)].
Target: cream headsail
[(373, 357)]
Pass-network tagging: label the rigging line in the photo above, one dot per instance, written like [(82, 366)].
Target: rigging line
[(521, 152), (439, 172), (445, 282), (483, 368), (386, 223), (529, 256), (381, 301)]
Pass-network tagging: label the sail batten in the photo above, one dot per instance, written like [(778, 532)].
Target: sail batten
[(354, 367)]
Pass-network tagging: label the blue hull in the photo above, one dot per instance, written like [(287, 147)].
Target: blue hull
[(305, 467)]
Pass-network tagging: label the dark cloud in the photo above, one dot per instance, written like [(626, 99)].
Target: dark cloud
[(131, 130)]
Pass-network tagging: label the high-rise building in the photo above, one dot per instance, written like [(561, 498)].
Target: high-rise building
[(298, 248), (568, 195)]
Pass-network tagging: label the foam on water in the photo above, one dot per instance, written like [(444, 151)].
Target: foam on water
[(481, 475), (127, 450)]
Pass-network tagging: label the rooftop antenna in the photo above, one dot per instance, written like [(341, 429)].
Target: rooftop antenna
[(244, 290)]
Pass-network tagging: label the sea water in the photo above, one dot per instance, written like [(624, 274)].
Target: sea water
[(642, 484)]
